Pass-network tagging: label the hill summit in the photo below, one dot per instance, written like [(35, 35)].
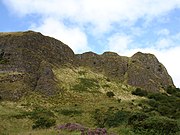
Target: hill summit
[(29, 61)]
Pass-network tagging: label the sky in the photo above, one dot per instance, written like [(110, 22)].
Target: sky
[(122, 26)]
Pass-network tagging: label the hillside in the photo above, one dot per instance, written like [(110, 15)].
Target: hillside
[(43, 84), (28, 59)]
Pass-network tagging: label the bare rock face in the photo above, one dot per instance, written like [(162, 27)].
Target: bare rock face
[(109, 63), (140, 70), (147, 72), (27, 59), (31, 55)]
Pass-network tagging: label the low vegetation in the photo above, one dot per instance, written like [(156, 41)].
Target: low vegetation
[(89, 104)]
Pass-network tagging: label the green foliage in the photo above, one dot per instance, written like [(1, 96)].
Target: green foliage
[(108, 80), (42, 118), (4, 61), (158, 96), (86, 85), (173, 91), (166, 105), (109, 117), (43, 122), (70, 112), (40, 112), (137, 117), (117, 118), (139, 92), (157, 125), (110, 94), (100, 117)]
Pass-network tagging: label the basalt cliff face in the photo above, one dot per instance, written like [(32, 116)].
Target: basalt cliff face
[(27, 60), (140, 70)]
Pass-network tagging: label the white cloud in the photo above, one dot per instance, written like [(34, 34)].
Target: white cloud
[(170, 58), (164, 43), (163, 32), (100, 13), (73, 37), (118, 42)]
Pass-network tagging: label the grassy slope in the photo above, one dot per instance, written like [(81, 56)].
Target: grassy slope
[(81, 90)]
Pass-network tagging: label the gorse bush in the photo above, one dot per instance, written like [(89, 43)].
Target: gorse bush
[(42, 118), (110, 117), (68, 112), (40, 112), (142, 123), (43, 122), (119, 117), (166, 105), (110, 94), (137, 117), (173, 91), (88, 85), (139, 92), (157, 125)]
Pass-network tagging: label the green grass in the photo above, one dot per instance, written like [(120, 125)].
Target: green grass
[(75, 105)]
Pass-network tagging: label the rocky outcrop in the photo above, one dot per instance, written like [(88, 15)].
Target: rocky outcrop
[(109, 63), (32, 55), (147, 72), (140, 70), (27, 59)]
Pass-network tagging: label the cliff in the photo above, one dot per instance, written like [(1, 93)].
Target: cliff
[(27, 60)]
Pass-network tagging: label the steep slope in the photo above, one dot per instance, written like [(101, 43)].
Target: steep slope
[(59, 92), (26, 63), (147, 72), (140, 70), (28, 60)]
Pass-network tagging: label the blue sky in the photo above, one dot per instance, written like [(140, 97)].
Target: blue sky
[(122, 26)]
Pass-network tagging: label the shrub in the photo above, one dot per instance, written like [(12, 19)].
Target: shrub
[(139, 92), (136, 118), (40, 112), (86, 85), (117, 118), (43, 122), (4, 61), (42, 118), (119, 100), (157, 125), (145, 124), (68, 112), (164, 104), (177, 94), (111, 117), (100, 117), (158, 96), (171, 90), (108, 80), (110, 94)]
